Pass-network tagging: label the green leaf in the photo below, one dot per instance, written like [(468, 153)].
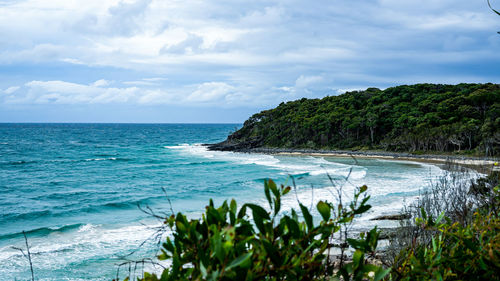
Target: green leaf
[(356, 244), (241, 260), (272, 252), (259, 210), (181, 228), (307, 216), (365, 200), (362, 209), (233, 207), (213, 216), (277, 205), (242, 212), (424, 214), (274, 188), (267, 193), (259, 214), (217, 245), (324, 210), (293, 227), (169, 246), (164, 276), (440, 217), (259, 222), (357, 258), (381, 273), (203, 270), (372, 239)]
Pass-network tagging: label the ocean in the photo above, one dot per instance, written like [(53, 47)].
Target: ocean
[(75, 190)]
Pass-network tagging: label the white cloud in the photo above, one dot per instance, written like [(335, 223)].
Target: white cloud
[(136, 34), (210, 92), (11, 90), (217, 94), (140, 83), (304, 86), (61, 92), (153, 81), (72, 61), (157, 97), (304, 81), (232, 53), (100, 83)]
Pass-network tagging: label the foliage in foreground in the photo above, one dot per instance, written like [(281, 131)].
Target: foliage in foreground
[(229, 244), (251, 243), (456, 252), (461, 245)]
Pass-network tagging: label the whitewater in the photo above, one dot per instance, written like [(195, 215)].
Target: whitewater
[(75, 190)]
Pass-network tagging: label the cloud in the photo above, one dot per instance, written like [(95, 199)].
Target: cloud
[(11, 90), (100, 83), (154, 81), (237, 53), (304, 85), (189, 45), (61, 92), (212, 91), (99, 92), (140, 83), (135, 34), (304, 81)]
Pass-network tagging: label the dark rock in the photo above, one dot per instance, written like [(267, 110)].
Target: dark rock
[(240, 146), (396, 217)]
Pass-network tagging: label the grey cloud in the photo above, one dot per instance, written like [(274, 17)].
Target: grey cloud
[(191, 44), (126, 17), (256, 50)]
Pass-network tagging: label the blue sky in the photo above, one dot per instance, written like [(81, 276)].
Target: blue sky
[(221, 61)]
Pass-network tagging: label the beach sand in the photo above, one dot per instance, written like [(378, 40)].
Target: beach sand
[(479, 165)]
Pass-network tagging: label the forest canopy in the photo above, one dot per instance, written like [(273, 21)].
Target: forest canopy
[(461, 118)]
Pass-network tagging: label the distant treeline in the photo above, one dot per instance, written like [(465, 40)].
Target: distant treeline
[(416, 118)]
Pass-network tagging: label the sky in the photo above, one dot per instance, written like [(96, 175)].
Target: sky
[(205, 61)]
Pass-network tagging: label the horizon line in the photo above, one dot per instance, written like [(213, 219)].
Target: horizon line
[(139, 123)]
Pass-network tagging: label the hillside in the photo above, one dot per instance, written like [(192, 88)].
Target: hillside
[(439, 118)]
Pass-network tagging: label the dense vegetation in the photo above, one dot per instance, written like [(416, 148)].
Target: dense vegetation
[(422, 117), (444, 241), (228, 244), (452, 232)]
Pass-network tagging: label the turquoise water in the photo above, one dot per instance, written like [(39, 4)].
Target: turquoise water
[(74, 189)]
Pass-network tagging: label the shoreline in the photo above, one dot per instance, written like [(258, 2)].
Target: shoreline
[(479, 164)]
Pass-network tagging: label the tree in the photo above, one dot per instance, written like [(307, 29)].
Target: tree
[(422, 117), (496, 12)]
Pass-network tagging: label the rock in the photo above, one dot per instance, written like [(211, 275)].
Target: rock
[(389, 233), (396, 217), (240, 146)]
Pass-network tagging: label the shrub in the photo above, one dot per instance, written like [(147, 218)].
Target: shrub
[(229, 244), (463, 243), (457, 252)]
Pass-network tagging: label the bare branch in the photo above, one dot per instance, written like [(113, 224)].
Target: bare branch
[(28, 255), (496, 12)]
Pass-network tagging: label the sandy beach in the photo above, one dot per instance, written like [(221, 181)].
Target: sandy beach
[(477, 163)]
